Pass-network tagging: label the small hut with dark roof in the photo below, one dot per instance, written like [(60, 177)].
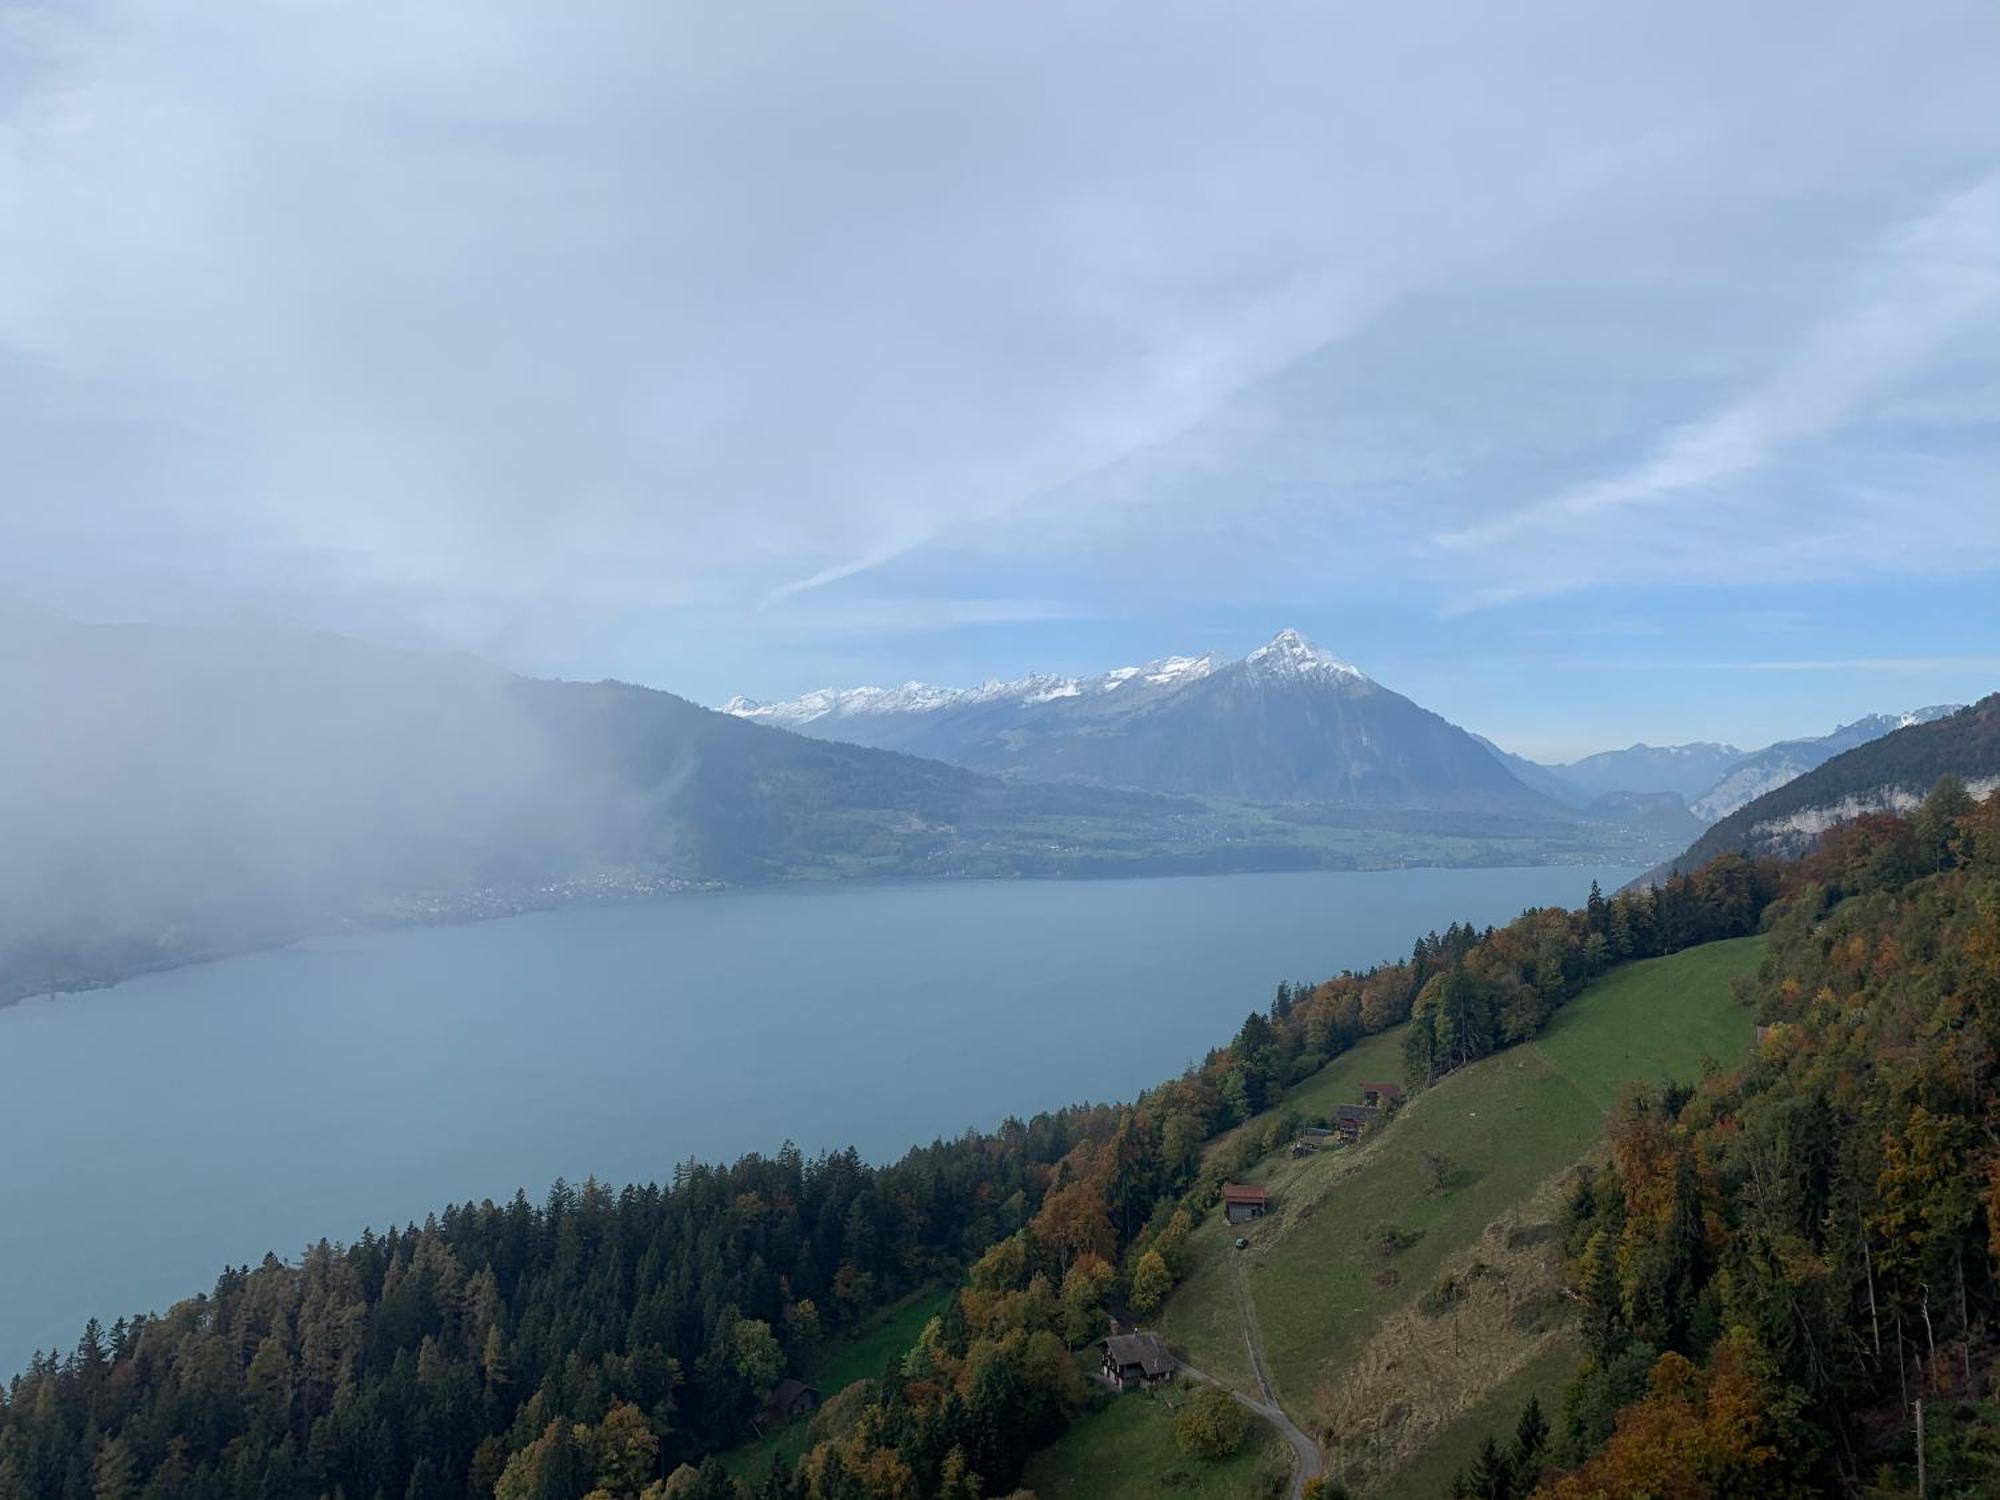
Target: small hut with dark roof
[(791, 1400), (1135, 1359)]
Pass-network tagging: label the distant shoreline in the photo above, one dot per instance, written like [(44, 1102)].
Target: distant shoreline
[(491, 905)]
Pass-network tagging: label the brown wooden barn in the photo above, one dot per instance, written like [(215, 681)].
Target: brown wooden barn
[(1241, 1202), (1349, 1120)]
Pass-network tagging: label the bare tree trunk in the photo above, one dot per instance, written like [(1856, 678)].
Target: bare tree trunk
[(1930, 1335), (1964, 1329), (1868, 1263), (1923, 1482), (1902, 1380)]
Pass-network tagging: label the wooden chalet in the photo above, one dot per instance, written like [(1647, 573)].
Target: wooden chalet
[(791, 1400), (1349, 1120), (1241, 1202), (1132, 1360), (1310, 1140), (1382, 1095)]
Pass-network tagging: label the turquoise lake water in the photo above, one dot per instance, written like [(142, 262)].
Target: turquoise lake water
[(151, 1133)]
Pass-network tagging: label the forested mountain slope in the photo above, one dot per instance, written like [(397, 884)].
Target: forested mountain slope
[(1770, 768), (1772, 1259), (1891, 773), (1780, 1268), (1421, 1271), (598, 1340)]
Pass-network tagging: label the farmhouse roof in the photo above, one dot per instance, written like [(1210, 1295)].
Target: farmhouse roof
[(1142, 1349)]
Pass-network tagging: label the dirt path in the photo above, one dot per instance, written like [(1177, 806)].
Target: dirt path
[(1304, 1449)]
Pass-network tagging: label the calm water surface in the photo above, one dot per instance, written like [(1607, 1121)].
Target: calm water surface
[(151, 1133)]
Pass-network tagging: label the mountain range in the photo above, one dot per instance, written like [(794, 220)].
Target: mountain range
[(1889, 772), (1289, 723), (1770, 768), (1292, 722), (192, 792)]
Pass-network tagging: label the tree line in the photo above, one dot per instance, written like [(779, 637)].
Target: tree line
[(597, 1343), (1782, 1267)]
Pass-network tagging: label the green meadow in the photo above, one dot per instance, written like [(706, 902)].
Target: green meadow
[(1328, 1301)]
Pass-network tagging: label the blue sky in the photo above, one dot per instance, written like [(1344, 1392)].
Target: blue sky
[(1591, 374)]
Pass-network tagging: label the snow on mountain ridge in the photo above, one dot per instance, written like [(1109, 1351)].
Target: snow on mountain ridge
[(1287, 654), (923, 697), (1766, 770)]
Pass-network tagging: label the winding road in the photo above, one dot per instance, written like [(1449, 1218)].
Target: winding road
[(1303, 1448)]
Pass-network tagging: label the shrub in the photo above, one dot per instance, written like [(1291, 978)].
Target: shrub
[(1387, 1239), (1211, 1425), (1447, 1290)]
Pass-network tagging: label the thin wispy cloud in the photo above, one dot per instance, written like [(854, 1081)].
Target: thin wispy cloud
[(1941, 274), (528, 333), (877, 616)]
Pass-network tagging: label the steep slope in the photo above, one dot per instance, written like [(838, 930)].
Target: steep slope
[(1891, 773), (1348, 1338), (1290, 723), (1770, 768)]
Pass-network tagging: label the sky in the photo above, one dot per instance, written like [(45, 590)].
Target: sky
[(1589, 373)]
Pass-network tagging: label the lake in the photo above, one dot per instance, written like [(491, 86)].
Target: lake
[(153, 1132)]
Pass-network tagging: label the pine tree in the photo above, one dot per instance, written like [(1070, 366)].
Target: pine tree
[(1935, 826), (1602, 1332), (114, 1474), (1531, 1441), (1491, 1476)]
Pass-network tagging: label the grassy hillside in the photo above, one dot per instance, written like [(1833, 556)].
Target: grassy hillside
[(1125, 1451), (1353, 1350)]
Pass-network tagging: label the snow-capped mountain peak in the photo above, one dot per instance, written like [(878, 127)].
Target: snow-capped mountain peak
[(1289, 654)]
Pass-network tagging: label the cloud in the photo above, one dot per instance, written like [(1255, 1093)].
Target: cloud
[(1942, 274), (484, 324), (905, 616)]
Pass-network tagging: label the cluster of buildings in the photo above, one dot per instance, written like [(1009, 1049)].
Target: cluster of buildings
[(1140, 1361), (1350, 1120)]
